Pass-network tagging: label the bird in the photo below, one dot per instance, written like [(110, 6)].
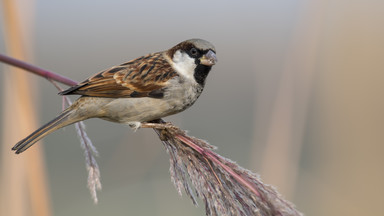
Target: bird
[(141, 90)]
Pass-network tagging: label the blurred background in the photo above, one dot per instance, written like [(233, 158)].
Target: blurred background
[(297, 96)]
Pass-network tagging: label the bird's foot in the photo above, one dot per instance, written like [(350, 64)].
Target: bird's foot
[(135, 125), (160, 126), (163, 133)]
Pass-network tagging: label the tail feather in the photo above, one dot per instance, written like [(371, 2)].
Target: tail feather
[(57, 123)]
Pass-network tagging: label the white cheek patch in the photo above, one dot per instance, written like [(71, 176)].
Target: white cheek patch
[(184, 64)]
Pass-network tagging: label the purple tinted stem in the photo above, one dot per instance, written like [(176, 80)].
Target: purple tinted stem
[(36, 70), (214, 158)]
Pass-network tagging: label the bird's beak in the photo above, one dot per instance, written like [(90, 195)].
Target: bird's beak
[(208, 59)]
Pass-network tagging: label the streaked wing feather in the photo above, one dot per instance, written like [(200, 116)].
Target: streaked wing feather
[(143, 77)]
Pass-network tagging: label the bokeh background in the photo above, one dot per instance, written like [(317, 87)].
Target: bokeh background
[(297, 96)]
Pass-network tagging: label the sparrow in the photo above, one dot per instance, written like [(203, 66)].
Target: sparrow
[(144, 89)]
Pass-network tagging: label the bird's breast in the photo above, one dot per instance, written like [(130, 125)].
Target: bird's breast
[(182, 94)]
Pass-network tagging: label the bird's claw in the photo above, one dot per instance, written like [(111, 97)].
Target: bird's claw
[(159, 126), (135, 125)]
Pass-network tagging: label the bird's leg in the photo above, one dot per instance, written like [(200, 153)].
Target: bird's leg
[(159, 126), (135, 125), (162, 126)]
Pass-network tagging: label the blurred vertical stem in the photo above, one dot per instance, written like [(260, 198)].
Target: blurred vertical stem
[(289, 112), (19, 114)]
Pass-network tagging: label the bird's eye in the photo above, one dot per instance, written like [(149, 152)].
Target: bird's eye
[(194, 52)]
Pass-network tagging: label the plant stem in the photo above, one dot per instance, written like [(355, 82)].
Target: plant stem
[(36, 70)]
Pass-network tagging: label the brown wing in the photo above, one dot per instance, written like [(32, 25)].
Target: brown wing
[(143, 77)]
